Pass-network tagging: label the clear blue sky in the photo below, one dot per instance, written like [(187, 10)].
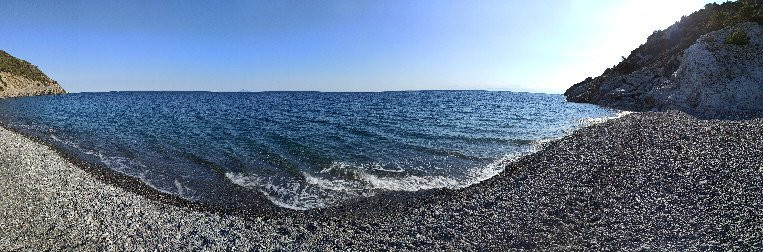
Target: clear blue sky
[(538, 46)]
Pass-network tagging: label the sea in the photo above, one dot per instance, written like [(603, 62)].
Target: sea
[(299, 150)]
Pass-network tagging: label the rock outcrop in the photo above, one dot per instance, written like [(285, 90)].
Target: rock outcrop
[(716, 76), (20, 78), (678, 68)]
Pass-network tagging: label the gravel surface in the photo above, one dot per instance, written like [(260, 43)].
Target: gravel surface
[(646, 181)]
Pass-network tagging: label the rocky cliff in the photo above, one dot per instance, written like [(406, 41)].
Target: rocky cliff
[(20, 78), (710, 62)]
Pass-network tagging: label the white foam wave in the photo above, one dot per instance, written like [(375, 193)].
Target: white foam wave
[(364, 166), (320, 192), (325, 188), (184, 191), (127, 166), (290, 195), (585, 122)]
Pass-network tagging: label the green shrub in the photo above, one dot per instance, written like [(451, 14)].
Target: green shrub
[(662, 46), (20, 67), (738, 37)]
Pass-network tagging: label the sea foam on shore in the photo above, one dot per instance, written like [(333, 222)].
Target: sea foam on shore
[(663, 181), (300, 150)]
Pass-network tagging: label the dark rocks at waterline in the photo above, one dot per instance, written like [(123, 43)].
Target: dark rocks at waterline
[(663, 181)]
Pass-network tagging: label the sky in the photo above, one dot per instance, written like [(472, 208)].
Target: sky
[(529, 46)]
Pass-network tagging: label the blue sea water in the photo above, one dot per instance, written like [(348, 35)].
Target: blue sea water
[(298, 149)]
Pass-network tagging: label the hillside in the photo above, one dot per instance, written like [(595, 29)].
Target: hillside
[(21, 78), (708, 62)]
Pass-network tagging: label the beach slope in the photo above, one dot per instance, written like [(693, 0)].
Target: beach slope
[(650, 180)]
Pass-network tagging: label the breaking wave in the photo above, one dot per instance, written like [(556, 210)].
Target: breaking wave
[(300, 150)]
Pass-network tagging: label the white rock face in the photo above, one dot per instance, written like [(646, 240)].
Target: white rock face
[(711, 78), (715, 77)]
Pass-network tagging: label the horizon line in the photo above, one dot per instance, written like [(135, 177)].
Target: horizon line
[(319, 91)]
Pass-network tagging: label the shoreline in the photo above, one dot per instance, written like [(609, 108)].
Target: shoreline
[(134, 185), (628, 183), (267, 210), (266, 207)]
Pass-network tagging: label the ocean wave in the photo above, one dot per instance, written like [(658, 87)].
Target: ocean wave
[(585, 122), (128, 166), (338, 182), (319, 192), (291, 195), (302, 151)]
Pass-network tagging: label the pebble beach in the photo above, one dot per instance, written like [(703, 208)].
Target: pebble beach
[(645, 181)]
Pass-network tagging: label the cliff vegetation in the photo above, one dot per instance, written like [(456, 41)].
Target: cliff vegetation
[(708, 61), (20, 78)]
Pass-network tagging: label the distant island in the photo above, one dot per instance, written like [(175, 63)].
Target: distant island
[(707, 63), (20, 78)]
